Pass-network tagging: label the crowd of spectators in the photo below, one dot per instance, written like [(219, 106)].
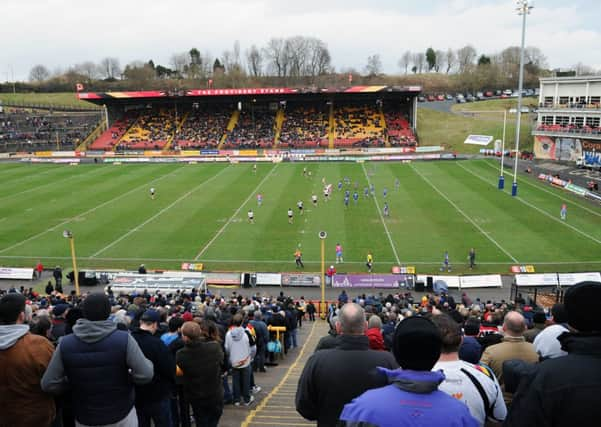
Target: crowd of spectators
[(110, 137), (155, 355), (358, 126), (203, 128), (151, 131), (304, 127), (398, 128), (462, 362), (570, 128), (24, 130), (254, 129)]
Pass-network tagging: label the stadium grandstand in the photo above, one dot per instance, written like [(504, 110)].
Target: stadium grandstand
[(28, 129), (359, 116)]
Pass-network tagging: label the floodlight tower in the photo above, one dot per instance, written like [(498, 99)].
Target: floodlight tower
[(523, 7)]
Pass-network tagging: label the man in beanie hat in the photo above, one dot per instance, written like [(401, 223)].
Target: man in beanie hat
[(333, 377), (412, 397), (565, 391), (100, 365), (152, 400)]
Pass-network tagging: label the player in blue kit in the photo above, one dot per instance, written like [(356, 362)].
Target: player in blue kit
[(355, 197), (385, 192), (346, 200), (366, 192), (386, 212), (339, 185)]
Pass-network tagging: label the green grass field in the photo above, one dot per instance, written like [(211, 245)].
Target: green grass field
[(61, 98), (199, 214)]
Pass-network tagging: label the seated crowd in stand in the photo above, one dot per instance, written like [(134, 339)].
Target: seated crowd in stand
[(22, 130), (203, 128), (254, 129), (110, 137), (463, 363), (570, 128), (151, 131), (359, 127), (304, 127), (398, 128)]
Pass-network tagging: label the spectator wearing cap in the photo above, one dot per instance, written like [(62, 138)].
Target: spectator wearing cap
[(200, 366), (412, 396), (23, 360), (59, 323), (333, 377), (546, 343), (470, 349), (153, 399), (474, 385), (330, 340), (538, 324), (99, 364), (565, 391), (513, 347)]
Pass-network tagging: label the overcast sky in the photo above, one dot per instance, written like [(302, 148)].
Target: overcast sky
[(59, 33)]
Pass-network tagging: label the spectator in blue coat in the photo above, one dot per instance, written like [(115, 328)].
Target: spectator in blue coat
[(412, 397)]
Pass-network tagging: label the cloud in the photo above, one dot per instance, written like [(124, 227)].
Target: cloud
[(60, 33)]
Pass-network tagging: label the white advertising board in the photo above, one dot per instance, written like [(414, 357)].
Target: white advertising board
[(16, 273), (536, 279), (569, 279), (482, 281)]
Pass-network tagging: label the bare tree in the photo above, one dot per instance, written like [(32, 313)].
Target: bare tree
[(254, 61), (374, 65), (179, 63), (88, 69), (440, 60), (466, 56), (405, 60), (534, 56), (109, 67), (39, 73), (583, 69), (451, 59), (275, 55), (318, 57), (419, 61)]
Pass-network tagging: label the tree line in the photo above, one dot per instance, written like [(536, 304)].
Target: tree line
[(297, 61)]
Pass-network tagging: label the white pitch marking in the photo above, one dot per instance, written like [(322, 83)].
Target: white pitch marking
[(396, 256), (159, 213), (538, 209), (203, 250), (35, 236), (485, 234)]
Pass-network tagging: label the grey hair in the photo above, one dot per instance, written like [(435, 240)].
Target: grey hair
[(352, 319)]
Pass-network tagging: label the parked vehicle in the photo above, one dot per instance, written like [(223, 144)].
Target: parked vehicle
[(421, 99), (440, 97), (498, 92), (508, 92), (470, 98), (460, 100), (449, 97), (431, 98)]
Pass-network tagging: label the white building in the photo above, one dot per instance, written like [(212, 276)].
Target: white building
[(569, 119)]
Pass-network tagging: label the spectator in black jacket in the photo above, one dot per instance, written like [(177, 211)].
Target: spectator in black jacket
[(153, 399), (332, 378), (565, 391), (262, 338), (200, 363)]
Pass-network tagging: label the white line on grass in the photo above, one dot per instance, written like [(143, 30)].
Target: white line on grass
[(46, 185), (537, 208), (485, 234), (159, 213), (540, 187), (203, 250), (275, 261), (396, 256), (68, 220)]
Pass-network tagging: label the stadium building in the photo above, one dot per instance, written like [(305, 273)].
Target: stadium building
[(255, 118), (569, 120)]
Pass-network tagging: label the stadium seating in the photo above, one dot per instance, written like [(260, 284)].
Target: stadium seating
[(203, 128), (153, 129), (398, 128), (254, 129), (360, 126), (38, 130), (304, 127), (107, 140), (570, 129)]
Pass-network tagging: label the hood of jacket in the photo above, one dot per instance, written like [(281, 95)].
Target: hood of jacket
[(10, 334), (414, 381), (93, 331), (581, 343), (237, 333)]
